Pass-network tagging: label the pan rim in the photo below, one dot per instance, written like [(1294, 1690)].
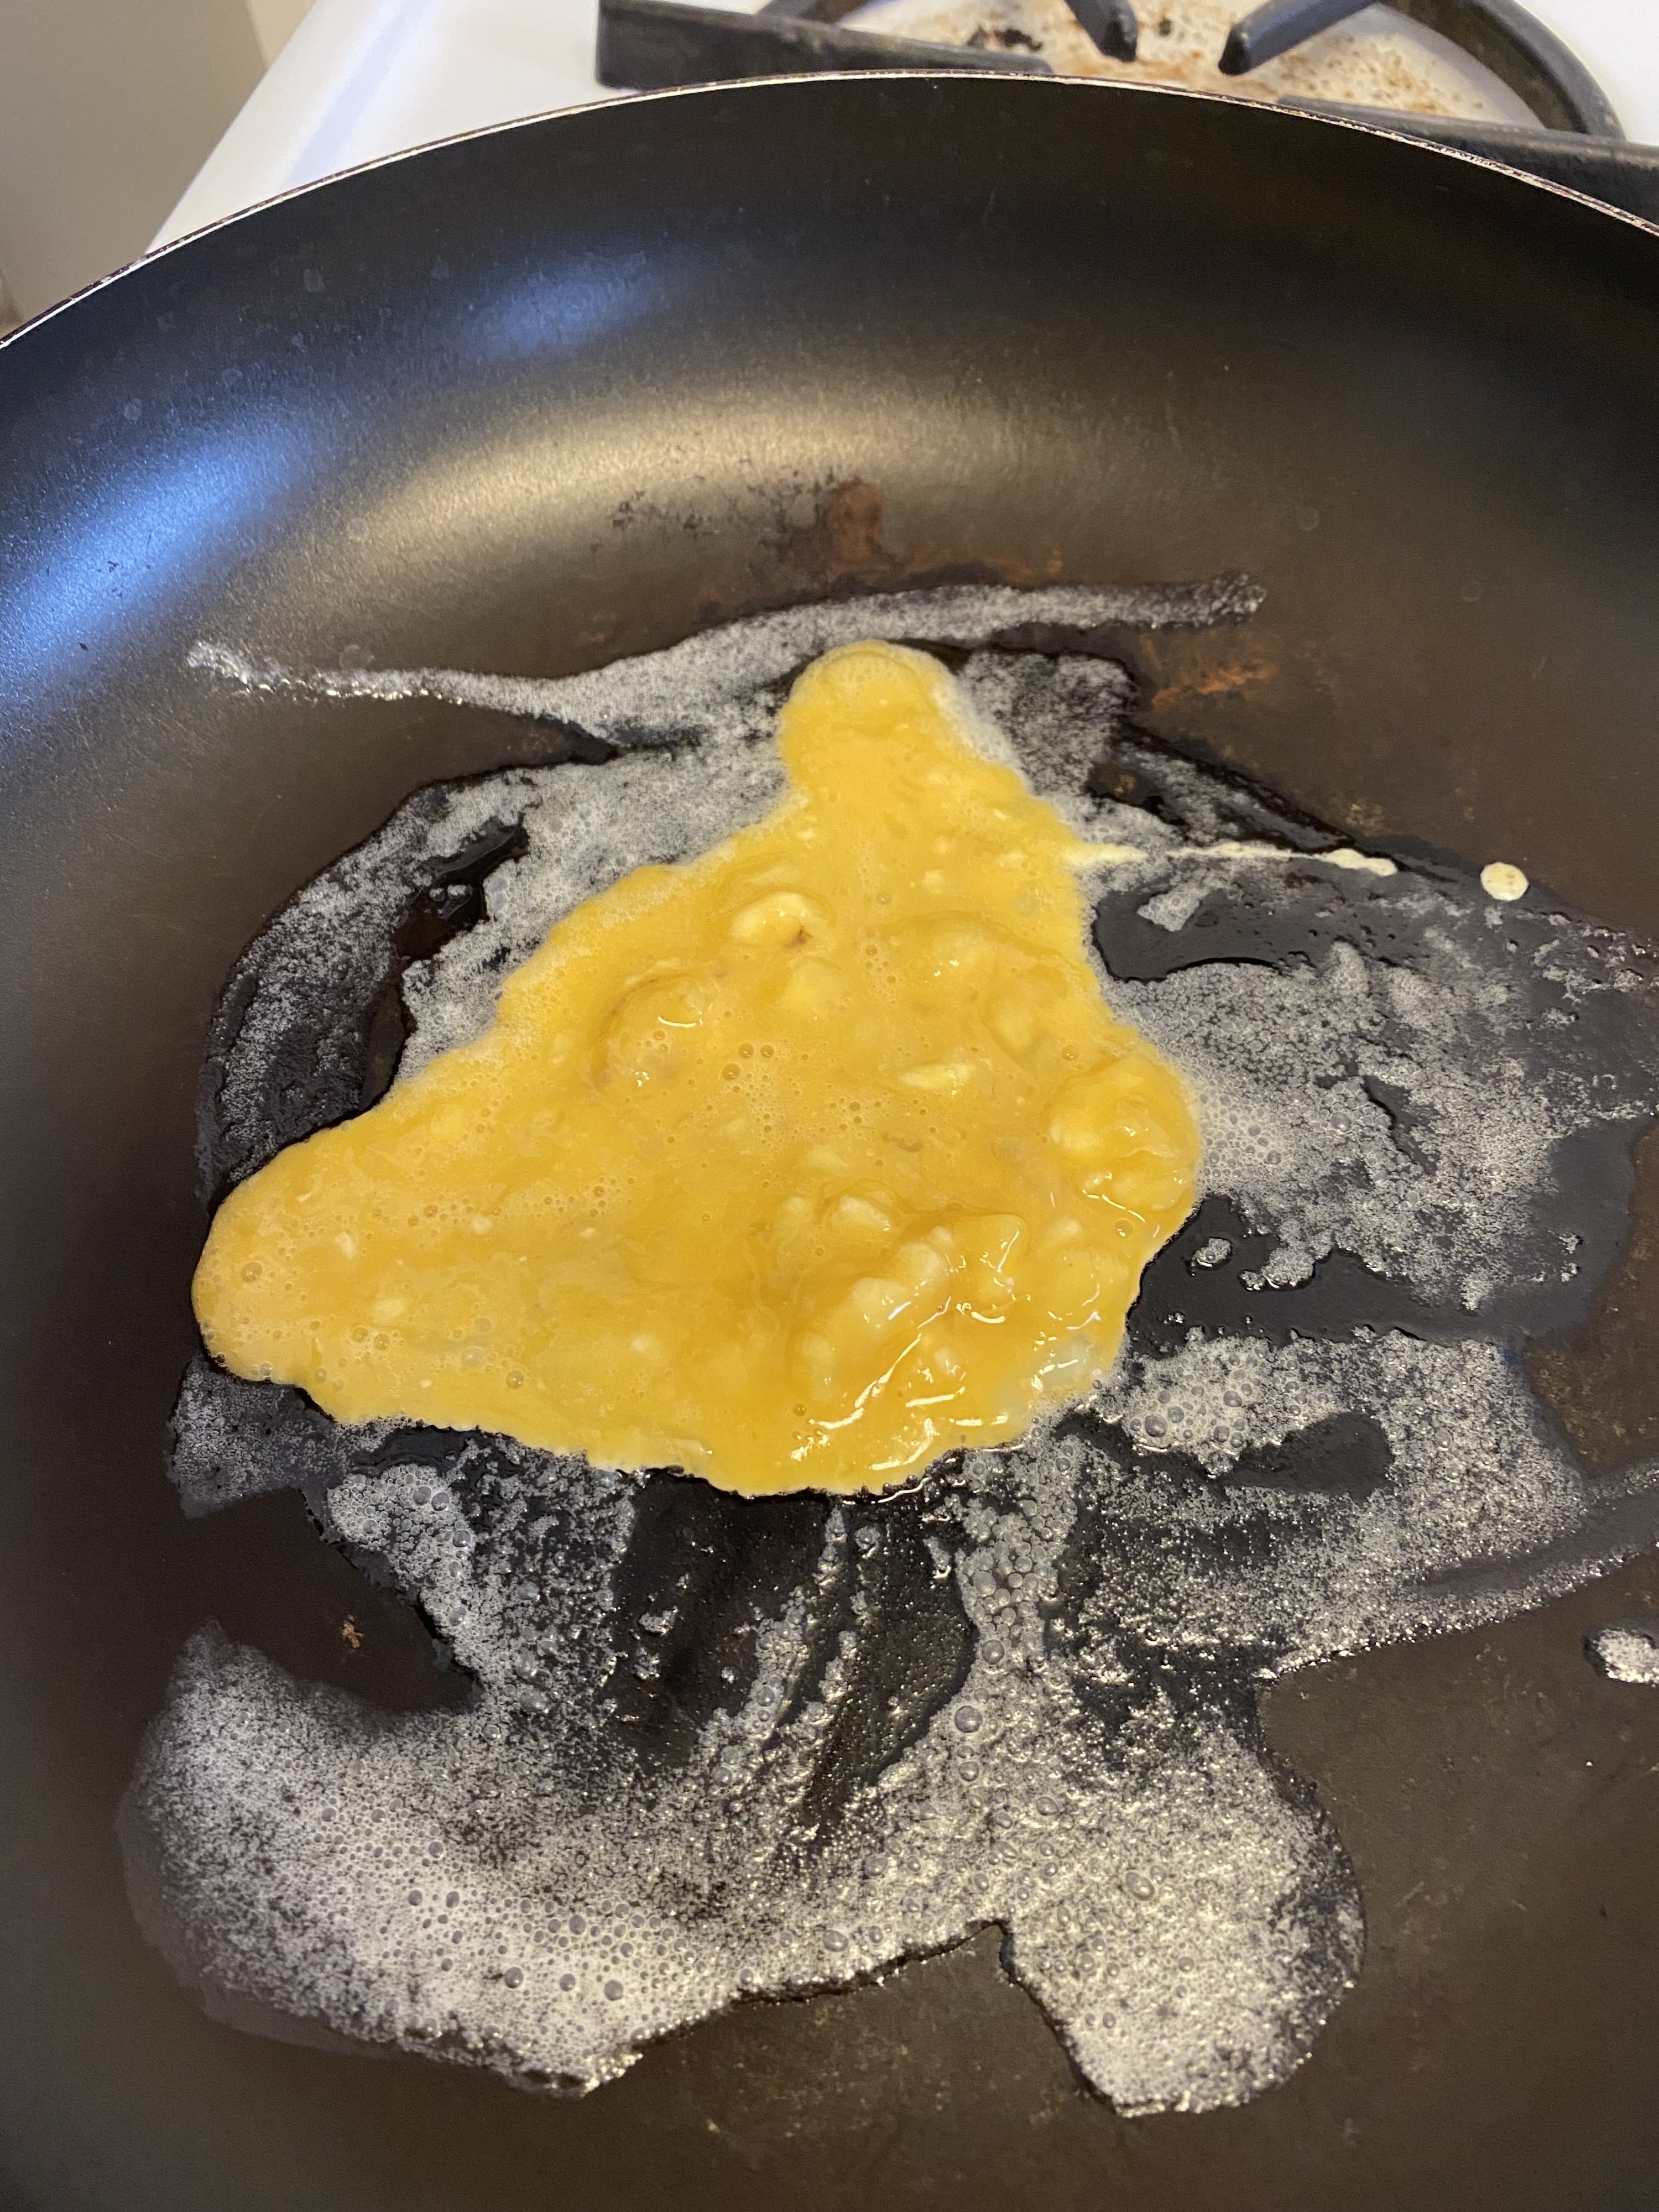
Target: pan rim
[(1293, 118)]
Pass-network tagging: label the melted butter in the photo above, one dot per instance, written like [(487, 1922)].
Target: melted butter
[(800, 1163)]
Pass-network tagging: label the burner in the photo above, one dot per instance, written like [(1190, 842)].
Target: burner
[(1502, 37), (649, 44), (1572, 135)]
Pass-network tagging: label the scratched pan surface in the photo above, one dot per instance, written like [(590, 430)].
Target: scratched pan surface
[(534, 399)]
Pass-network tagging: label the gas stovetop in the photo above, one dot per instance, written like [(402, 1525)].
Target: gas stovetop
[(362, 79)]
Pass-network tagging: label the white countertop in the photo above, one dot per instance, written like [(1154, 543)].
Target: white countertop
[(360, 79)]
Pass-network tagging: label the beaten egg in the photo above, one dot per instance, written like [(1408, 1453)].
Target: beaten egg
[(797, 1164)]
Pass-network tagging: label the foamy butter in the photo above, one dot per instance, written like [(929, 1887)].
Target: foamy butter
[(804, 1161), (1627, 1651), (1020, 1690)]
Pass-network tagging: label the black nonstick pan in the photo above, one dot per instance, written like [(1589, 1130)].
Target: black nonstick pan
[(576, 389)]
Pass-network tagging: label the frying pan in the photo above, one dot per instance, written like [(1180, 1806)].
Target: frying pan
[(533, 399)]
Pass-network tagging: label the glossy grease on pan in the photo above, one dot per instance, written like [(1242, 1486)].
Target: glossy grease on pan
[(722, 1747)]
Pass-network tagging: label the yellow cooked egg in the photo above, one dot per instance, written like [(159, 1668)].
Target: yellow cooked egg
[(800, 1163)]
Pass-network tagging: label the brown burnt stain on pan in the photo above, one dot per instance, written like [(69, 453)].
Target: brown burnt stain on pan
[(841, 550)]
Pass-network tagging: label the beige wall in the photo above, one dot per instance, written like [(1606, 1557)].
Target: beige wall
[(107, 109), (274, 21)]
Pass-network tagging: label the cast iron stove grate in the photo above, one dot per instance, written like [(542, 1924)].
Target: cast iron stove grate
[(650, 45)]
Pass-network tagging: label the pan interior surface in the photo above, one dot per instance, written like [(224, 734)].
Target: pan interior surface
[(574, 390)]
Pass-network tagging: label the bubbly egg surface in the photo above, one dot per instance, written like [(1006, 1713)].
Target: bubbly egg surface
[(797, 1164)]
